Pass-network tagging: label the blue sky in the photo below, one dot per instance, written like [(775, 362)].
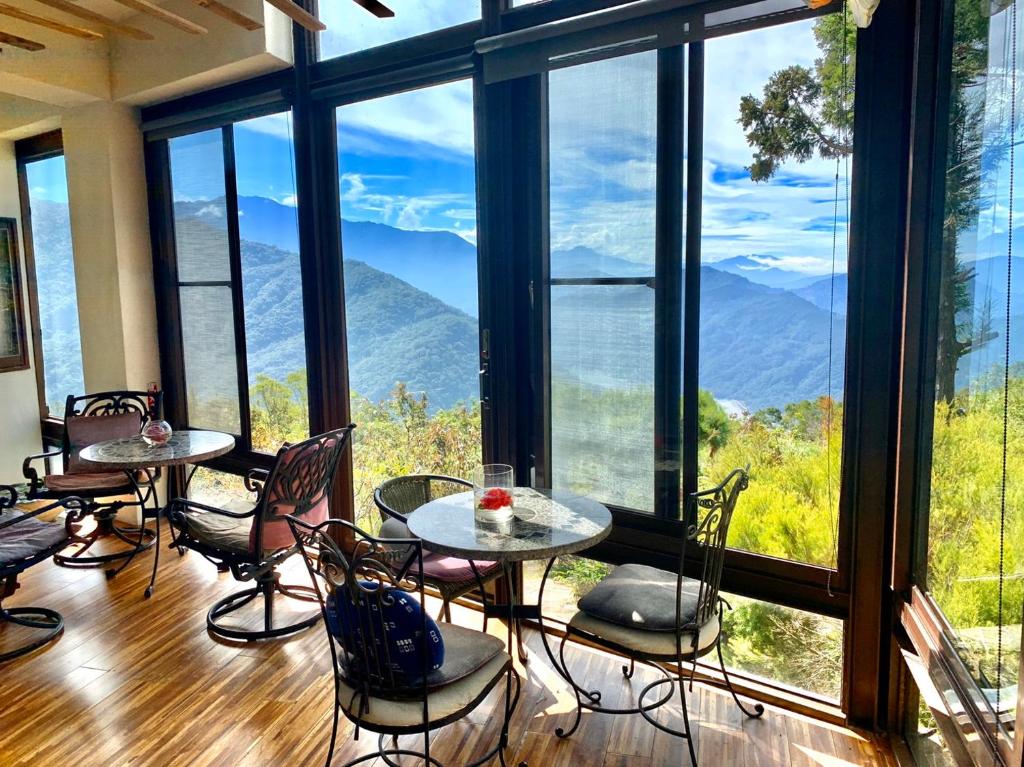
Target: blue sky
[(408, 160)]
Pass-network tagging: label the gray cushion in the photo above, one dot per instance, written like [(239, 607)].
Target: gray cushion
[(220, 532), (641, 597), (29, 538), (465, 651)]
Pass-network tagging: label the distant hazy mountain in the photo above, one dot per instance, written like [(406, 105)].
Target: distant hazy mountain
[(820, 293), (760, 269)]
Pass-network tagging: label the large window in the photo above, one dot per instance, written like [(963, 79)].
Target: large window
[(408, 205), (602, 149), (53, 257), (773, 286), (239, 284), (973, 565)]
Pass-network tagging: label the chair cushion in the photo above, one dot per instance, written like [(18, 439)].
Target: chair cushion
[(653, 644), (219, 532), (28, 538), (85, 430), (437, 567), (443, 702), (641, 597), (87, 482), (395, 622)]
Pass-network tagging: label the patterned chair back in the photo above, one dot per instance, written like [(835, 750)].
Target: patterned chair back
[(299, 484), (98, 417), (713, 514), (371, 575), (401, 496)]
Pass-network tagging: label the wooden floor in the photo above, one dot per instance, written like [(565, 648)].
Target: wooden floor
[(140, 682)]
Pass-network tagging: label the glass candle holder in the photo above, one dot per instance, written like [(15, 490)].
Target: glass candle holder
[(156, 432), (493, 485)]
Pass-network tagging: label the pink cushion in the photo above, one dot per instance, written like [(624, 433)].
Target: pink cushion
[(451, 569), (85, 430), (86, 481)]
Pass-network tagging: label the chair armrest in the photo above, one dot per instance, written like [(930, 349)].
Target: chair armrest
[(255, 479), (29, 472), (77, 508), (184, 503)]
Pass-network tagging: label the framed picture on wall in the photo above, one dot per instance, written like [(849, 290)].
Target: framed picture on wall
[(13, 349)]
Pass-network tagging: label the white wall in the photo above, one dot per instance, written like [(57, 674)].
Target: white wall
[(19, 405)]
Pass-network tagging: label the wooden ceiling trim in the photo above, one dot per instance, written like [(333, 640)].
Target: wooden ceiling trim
[(84, 13), (162, 14), (20, 42), (299, 15), (56, 26), (230, 14)]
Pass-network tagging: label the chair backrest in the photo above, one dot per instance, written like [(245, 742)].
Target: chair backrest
[(713, 509), (401, 496), (93, 418), (368, 576), (299, 484)]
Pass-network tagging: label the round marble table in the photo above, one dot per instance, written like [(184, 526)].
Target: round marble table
[(545, 525), (134, 454)]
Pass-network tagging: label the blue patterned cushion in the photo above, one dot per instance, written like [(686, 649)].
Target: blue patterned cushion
[(404, 619)]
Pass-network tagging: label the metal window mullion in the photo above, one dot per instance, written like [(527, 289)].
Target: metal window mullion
[(691, 316), (668, 294), (237, 299)]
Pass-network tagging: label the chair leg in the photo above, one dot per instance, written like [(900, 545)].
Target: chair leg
[(686, 720), (758, 708), (52, 626), (334, 727), (267, 587), (446, 610)]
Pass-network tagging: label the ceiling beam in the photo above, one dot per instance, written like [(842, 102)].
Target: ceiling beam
[(42, 21), (97, 18), (229, 13), (161, 14), (20, 42), (299, 15)]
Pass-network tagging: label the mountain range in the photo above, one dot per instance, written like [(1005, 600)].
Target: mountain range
[(411, 300)]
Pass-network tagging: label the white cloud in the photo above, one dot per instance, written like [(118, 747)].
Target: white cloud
[(290, 200)]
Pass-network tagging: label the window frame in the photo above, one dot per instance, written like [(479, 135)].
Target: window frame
[(28, 150)]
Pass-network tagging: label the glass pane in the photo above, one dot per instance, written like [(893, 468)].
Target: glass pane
[(55, 282), (408, 203), (352, 28), (602, 169), (602, 392), (975, 554), (921, 730), (603, 154), (220, 489), (200, 215), (796, 648), (773, 284), (271, 281), (207, 330)]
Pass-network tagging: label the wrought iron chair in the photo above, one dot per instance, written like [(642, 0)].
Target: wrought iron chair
[(661, 619), (389, 677), (452, 577), (26, 541), (252, 544), (90, 419)]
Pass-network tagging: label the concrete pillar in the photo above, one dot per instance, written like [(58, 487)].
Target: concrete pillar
[(103, 151)]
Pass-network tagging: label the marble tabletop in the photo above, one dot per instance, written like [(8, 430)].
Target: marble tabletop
[(184, 446), (546, 523)]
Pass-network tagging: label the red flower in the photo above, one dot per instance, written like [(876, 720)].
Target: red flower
[(496, 498)]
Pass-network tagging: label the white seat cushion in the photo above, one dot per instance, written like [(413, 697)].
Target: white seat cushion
[(648, 643), (442, 702)]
